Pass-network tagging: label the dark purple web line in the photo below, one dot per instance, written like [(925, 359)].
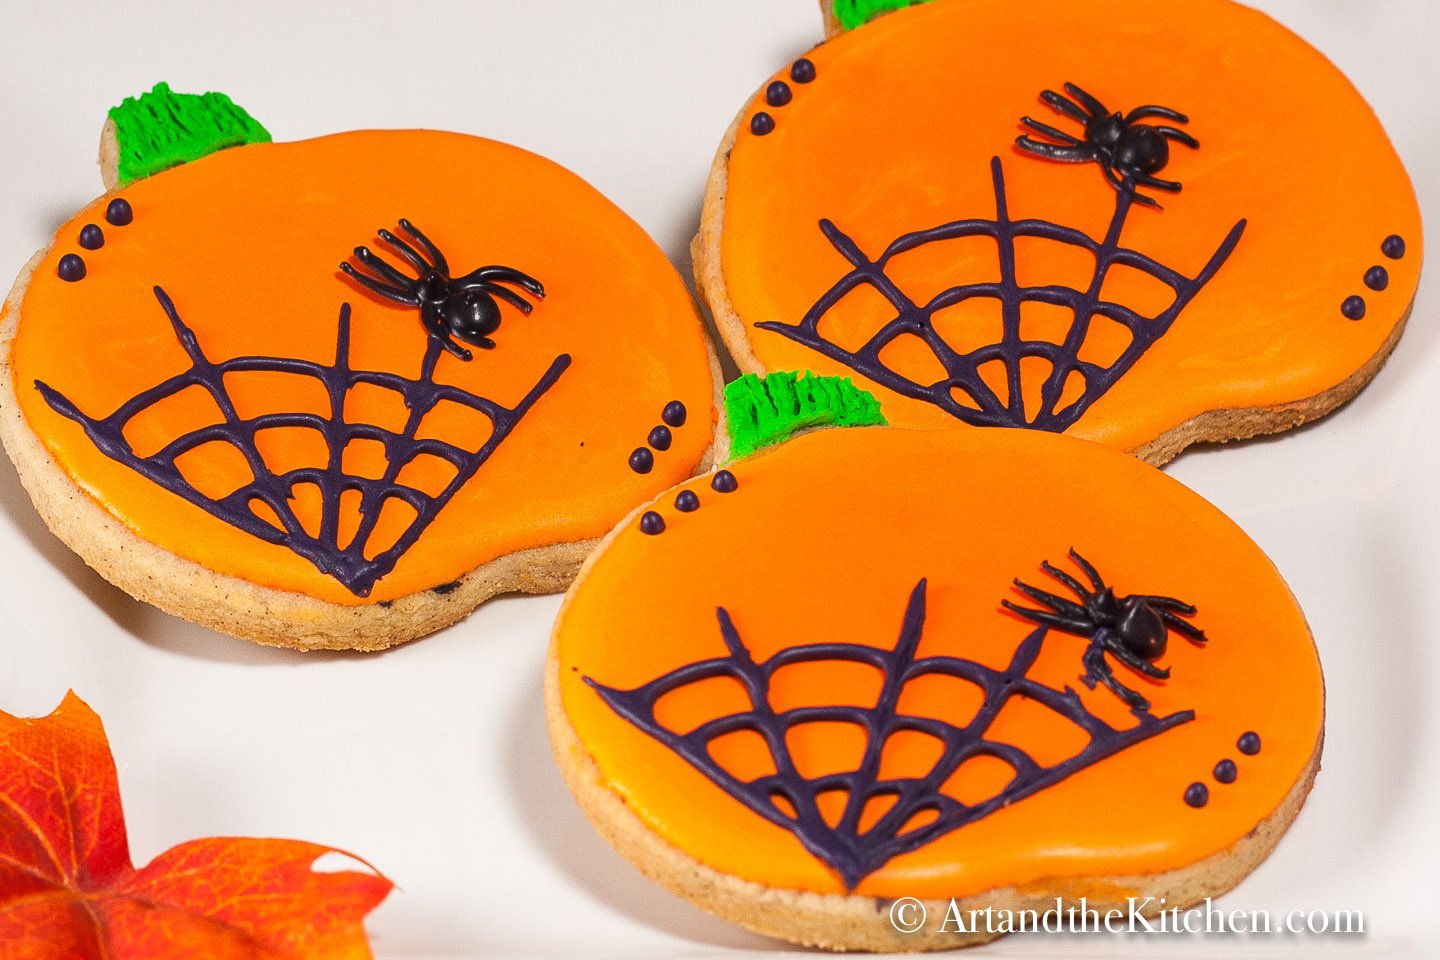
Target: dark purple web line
[(1075, 337), (370, 506), (346, 563), (962, 370), (845, 848), (1009, 306)]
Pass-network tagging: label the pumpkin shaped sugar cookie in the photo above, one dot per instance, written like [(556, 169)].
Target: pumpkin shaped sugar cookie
[(828, 677), (1145, 224), (336, 392)]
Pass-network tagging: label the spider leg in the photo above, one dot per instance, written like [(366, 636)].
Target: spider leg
[(436, 328), (1064, 578), (379, 266), (1059, 604), (406, 251), (1088, 569), (506, 275), (1093, 660), (1151, 110), (1188, 630), (1050, 131), (436, 256), (1095, 107), (456, 349), (1170, 186), (1127, 186), (1179, 136), (1124, 186), (1068, 625), (1063, 105), (1136, 664), (1097, 669), (1050, 151), (1167, 603), (384, 290), (509, 296)]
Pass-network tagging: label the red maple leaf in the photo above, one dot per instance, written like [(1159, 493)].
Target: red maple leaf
[(69, 892)]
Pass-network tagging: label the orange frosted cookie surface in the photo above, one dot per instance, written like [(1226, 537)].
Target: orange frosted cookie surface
[(1114, 219), (375, 459), (824, 677)]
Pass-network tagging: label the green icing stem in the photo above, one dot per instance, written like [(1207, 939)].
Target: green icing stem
[(765, 411), (163, 129), (853, 13)]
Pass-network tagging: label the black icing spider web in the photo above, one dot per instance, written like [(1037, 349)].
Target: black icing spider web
[(346, 561), (981, 405), (850, 849)]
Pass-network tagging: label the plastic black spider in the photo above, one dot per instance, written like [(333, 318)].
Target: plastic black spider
[(1133, 629), (450, 307), (1127, 151)]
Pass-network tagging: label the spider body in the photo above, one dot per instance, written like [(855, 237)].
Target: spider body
[(451, 308), (1127, 151), (1134, 629)]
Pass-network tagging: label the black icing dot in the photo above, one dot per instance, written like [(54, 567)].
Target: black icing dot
[(761, 124), (1353, 308), (659, 438), (1225, 771), (778, 93), (118, 213), (92, 237), (642, 460), (71, 268), (652, 523), (1393, 246), (1377, 278), (724, 482), (674, 413), (686, 501), (802, 71), (1197, 794), (1249, 743)]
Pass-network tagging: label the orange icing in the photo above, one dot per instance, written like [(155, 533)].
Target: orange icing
[(246, 242), (896, 133), (821, 543)]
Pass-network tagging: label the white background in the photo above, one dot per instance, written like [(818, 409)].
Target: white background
[(431, 760)]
